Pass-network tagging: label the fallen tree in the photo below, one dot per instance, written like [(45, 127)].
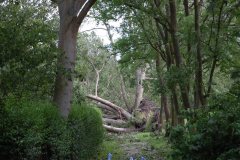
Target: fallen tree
[(123, 130), (111, 121), (139, 118), (122, 111)]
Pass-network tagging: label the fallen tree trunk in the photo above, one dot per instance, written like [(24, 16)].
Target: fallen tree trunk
[(102, 106), (156, 108), (122, 130), (111, 116), (121, 110), (111, 121)]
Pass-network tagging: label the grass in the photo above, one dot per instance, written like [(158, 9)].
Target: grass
[(148, 145), (156, 141)]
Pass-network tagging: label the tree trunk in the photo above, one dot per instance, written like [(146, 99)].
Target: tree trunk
[(139, 87), (199, 82), (97, 80), (177, 53), (111, 121), (215, 52), (161, 117), (123, 130), (119, 109), (71, 15), (63, 92), (174, 114), (102, 106)]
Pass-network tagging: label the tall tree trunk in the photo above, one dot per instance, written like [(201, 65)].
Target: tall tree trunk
[(161, 117), (174, 113), (63, 92), (215, 52), (139, 87), (177, 53), (199, 82), (97, 81), (71, 15)]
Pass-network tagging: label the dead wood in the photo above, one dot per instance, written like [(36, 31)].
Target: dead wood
[(123, 130), (102, 106), (113, 106), (111, 121), (111, 116)]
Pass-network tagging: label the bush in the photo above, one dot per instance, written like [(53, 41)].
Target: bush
[(85, 123), (213, 133), (32, 129)]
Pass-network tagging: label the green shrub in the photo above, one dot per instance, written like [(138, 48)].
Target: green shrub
[(30, 129), (85, 123), (213, 133), (33, 129)]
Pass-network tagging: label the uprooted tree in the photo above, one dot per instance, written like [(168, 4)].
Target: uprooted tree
[(93, 54)]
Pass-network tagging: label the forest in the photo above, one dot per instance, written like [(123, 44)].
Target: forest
[(168, 87)]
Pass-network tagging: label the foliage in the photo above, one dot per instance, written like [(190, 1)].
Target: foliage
[(149, 124), (32, 129), (235, 88), (212, 133), (85, 124), (28, 50)]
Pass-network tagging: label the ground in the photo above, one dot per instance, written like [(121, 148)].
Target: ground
[(123, 146)]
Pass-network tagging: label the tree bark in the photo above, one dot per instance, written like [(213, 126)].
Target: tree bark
[(174, 114), (111, 121), (161, 117), (71, 15), (63, 92), (111, 116), (177, 53), (139, 87), (102, 106), (215, 52), (199, 81), (119, 109), (123, 130)]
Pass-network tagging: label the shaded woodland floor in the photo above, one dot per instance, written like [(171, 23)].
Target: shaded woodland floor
[(136, 145)]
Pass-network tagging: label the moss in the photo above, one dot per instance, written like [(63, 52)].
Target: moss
[(149, 124)]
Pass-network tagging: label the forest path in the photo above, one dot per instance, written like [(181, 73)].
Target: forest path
[(136, 145)]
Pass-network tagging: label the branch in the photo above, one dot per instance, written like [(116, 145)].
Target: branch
[(88, 5), (148, 78), (93, 29), (149, 13)]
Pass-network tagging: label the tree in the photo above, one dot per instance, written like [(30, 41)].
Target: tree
[(28, 50), (192, 58), (71, 15)]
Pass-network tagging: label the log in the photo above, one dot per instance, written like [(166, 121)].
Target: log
[(106, 102), (111, 116), (102, 106), (111, 121), (156, 108), (123, 130)]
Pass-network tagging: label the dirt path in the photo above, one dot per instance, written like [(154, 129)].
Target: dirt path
[(132, 146)]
